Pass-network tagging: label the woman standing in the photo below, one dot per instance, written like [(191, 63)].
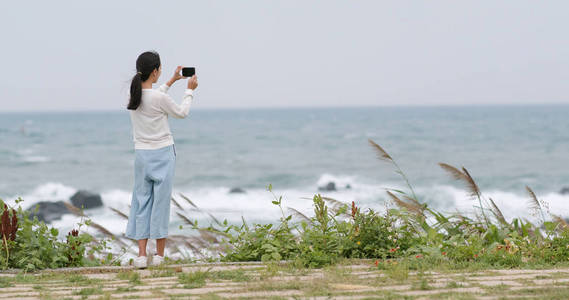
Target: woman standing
[(155, 155)]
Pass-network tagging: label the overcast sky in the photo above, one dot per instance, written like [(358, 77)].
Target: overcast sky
[(78, 55)]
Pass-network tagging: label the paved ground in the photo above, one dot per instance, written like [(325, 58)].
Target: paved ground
[(360, 280)]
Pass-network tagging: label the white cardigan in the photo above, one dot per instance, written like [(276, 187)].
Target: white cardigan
[(150, 127)]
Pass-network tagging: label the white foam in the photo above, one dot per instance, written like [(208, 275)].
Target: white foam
[(36, 159), (116, 198), (51, 191)]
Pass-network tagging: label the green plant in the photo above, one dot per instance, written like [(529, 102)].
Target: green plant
[(320, 238), (262, 242), (373, 235), (30, 244)]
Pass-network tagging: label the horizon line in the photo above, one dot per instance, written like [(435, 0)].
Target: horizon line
[(306, 107)]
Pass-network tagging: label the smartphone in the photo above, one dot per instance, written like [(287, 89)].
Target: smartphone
[(188, 72)]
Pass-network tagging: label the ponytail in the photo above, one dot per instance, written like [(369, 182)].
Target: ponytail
[(135, 92), (145, 64)]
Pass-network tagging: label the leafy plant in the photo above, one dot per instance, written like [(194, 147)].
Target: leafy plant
[(31, 244), (262, 242)]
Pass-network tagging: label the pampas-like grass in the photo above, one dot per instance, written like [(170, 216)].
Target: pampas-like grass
[(78, 212), (383, 155), (534, 204), (498, 213), (215, 220), (562, 223), (411, 207), (464, 176), (119, 213), (176, 203), (298, 214)]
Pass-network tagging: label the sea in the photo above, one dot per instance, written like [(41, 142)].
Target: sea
[(48, 156)]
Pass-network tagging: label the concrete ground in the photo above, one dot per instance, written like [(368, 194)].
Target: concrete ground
[(356, 280)]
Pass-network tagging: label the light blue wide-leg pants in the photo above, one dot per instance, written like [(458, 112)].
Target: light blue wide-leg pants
[(150, 205)]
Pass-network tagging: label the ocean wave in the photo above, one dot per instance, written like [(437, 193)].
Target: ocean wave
[(50, 191), (36, 159), (28, 155)]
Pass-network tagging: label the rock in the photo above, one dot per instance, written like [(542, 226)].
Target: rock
[(564, 191), (48, 211), (348, 186), (330, 187), (86, 200), (237, 191)]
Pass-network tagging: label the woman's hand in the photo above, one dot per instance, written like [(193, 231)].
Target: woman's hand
[(193, 82), (177, 76)]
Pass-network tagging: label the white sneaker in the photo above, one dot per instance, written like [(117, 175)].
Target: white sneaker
[(141, 262), (157, 260)]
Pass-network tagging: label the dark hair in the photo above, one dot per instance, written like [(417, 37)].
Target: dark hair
[(145, 64)]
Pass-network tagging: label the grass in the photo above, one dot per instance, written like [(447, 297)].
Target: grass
[(453, 296), (211, 296), (271, 269), (279, 285), (163, 272), (237, 275), (193, 280), (124, 289), (132, 277), (422, 285), (453, 285), (89, 291), (397, 271), (78, 279), (26, 278), (6, 281)]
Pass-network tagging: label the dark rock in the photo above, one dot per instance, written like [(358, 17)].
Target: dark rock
[(85, 200), (564, 191), (48, 211), (348, 186), (237, 191), (330, 187)]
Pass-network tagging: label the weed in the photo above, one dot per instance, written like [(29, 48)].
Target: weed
[(236, 275), (193, 280), (167, 272), (453, 285), (6, 281), (132, 276), (89, 291)]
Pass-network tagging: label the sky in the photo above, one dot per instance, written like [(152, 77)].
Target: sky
[(80, 56)]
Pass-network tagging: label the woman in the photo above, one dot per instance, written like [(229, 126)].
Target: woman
[(155, 155)]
